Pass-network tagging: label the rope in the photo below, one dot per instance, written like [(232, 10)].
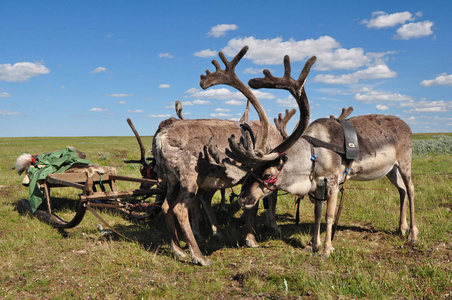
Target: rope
[(341, 203), (105, 222)]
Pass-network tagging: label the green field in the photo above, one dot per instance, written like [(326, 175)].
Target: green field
[(370, 260)]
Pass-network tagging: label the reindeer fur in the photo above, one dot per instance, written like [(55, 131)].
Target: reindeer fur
[(385, 149), (181, 155)]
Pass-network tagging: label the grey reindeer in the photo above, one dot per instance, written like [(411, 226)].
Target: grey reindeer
[(311, 160)]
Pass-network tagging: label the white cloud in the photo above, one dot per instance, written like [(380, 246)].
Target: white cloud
[(221, 29), (426, 106), (165, 55), (22, 71), (235, 102), (119, 95), (195, 102), (220, 115), (121, 102), (219, 109), (160, 116), (98, 70), (382, 20), (382, 107), (330, 55), (5, 94), (4, 112), (254, 71), (374, 72), (225, 94), (414, 30), (268, 51), (442, 79), (370, 96), (164, 86), (206, 53), (201, 102), (288, 102), (342, 59), (136, 111), (96, 109)]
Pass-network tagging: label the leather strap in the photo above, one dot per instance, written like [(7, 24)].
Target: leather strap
[(351, 140), (319, 143)]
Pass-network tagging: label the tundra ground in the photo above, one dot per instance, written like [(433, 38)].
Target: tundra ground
[(370, 260)]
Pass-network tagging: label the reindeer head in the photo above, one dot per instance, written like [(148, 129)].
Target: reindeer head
[(262, 180)]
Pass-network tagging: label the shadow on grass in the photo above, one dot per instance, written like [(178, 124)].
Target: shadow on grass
[(152, 233)]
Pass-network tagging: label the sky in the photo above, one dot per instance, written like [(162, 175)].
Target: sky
[(81, 68)]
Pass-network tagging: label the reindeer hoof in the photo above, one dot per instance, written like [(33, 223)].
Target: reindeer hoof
[(309, 248), (326, 252), (313, 248), (202, 261), (251, 242), (412, 236), (178, 252), (411, 240)]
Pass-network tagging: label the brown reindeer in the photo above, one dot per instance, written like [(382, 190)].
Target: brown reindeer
[(205, 196), (311, 160), (190, 153)]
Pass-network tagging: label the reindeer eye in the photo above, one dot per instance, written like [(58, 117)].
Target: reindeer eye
[(266, 176)]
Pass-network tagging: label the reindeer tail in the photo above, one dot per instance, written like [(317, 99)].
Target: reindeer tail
[(23, 162)]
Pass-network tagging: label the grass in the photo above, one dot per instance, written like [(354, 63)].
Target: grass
[(370, 260)]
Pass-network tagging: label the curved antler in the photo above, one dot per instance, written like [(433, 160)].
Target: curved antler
[(241, 152), (281, 123), (228, 77), (296, 88), (178, 107)]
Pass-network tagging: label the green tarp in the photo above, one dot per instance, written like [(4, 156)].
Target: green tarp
[(48, 163)]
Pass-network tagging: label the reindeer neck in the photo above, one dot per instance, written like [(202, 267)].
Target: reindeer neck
[(296, 176)]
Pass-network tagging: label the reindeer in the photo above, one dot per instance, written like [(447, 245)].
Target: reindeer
[(310, 160), (190, 153), (206, 195)]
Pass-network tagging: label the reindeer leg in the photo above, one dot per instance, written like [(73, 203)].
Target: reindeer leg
[(181, 212), (315, 242), (405, 172), (169, 217), (271, 213), (333, 190), (195, 218), (396, 179), (250, 217), (206, 199)]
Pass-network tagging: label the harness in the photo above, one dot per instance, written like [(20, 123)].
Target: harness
[(350, 150), (271, 182)]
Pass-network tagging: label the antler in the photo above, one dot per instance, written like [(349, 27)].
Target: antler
[(228, 77), (296, 88), (246, 114), (281, 123), (178, 107), (344, 114), (243, 151)]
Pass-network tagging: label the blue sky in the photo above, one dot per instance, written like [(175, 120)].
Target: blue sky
[(81, 68)]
